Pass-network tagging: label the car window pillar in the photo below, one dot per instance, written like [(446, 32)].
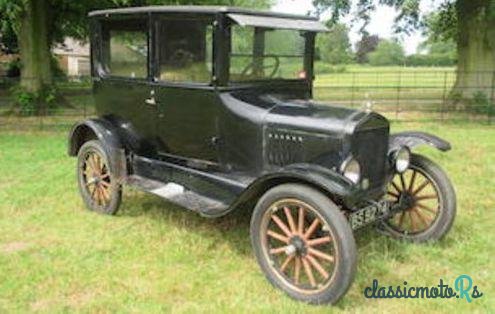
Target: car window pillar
[(309, 51), (152, 48), (221, 48), (258, 52)]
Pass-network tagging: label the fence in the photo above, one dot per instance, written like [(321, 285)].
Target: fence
[(407, 95), (413, 95), (75, 102)]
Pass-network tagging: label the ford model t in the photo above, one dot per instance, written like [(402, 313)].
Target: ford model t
[(211, 108)]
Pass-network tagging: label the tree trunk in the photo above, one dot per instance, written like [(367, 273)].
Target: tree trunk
[(36, 72), (475, 47)]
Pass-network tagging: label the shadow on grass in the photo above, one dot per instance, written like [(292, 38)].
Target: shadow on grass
[(232, 228), (377, 253)]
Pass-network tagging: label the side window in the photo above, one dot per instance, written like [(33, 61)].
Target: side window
[(125, 46), (185, 50)]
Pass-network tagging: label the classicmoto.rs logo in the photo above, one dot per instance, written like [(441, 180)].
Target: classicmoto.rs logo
[(463, 288)]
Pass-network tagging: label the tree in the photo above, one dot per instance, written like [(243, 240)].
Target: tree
[(471, 23), (367, 44), (335, 47), (434, 53), (388, 52), (8, 38), (39, 24)]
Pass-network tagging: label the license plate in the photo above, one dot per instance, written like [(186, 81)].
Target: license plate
[(369, 214)]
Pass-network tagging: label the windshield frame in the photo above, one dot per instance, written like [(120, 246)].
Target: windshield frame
[(307, 56)]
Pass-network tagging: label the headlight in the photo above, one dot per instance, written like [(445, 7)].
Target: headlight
[(402, 158), (351, 170)]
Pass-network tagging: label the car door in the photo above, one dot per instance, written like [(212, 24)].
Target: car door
[(187, 103), (123, 90)]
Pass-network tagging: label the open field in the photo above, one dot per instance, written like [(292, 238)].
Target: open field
[(392, 76), (152, 257), (392, 88)]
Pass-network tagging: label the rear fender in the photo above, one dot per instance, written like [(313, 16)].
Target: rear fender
[(107, 134)]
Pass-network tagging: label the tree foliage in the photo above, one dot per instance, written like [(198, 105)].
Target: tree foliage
[(408, 18), (69, 17), (434, 51), (367, 44), (388, 52), (443, 24), (8, 37), (335, 46), (470, 23)]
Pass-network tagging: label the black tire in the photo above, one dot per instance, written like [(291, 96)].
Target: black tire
[(100, 192), (343, 245), (441, 219)]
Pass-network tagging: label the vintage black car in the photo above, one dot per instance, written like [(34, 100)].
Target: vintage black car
[(211, 108)]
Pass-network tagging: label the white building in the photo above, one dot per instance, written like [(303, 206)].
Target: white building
[(73, 56)]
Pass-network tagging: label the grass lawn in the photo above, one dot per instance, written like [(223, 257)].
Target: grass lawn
[(391, 76), (55, 256)]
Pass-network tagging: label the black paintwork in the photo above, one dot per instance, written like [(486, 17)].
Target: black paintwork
[(231, 142), (195, 9), (415, 138), (109, 134)]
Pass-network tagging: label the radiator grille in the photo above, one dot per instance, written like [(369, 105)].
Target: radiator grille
[(370, 148)]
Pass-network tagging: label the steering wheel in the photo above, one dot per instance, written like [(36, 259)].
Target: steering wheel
[(181, 57), (248, 70)]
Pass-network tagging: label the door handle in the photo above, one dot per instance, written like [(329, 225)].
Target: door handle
[(150, 101)]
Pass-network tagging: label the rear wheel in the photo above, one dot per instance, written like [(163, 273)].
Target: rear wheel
[(429, 198), (99, 191), (303, 244)]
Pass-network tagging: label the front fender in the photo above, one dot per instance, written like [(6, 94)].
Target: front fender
[(412, 139), (326, 179), (322, 178)]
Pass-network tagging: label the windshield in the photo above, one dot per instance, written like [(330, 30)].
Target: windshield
[(263, 54)]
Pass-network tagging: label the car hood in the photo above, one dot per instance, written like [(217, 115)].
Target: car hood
[(282, 112), (316, 117)]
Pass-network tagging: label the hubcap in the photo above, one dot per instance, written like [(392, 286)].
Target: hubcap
[(299, 245), (418, 194), (407, 200)]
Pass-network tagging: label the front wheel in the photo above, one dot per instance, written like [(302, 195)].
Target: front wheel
[(430, 201), (303, 243)]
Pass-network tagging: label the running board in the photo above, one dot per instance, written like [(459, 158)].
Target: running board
[(179, 195)]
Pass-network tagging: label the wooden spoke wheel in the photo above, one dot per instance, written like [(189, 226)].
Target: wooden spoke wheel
[(98, 189), (428, 198), (96, 177), (303, 243), (420, 194), (299, 245)]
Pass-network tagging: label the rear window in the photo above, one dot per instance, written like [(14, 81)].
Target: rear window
[(125, 49)]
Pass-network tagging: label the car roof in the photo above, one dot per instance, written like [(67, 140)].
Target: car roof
[(197, 9)]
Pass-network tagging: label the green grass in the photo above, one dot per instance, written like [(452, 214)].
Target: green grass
[(369, 76), (55, 256)]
